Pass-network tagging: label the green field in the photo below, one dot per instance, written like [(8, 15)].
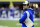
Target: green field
[(11, 23)]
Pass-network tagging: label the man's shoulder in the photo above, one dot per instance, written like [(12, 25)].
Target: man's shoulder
[(26, 12)]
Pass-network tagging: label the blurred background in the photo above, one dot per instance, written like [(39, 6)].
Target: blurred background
[(12, 10)]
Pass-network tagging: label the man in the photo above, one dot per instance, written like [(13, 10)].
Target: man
[(3, 10), (27, 18)]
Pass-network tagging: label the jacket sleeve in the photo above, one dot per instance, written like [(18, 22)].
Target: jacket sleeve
[(23, 18)]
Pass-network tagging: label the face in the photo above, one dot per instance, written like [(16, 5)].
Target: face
[(25, 6)]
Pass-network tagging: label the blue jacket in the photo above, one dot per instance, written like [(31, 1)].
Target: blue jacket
[(23, 18)]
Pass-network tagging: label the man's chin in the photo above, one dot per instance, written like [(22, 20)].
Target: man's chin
[(24, 9)]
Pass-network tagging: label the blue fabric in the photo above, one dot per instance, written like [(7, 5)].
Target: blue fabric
[(1, 12), (12, 11), (23, 18)]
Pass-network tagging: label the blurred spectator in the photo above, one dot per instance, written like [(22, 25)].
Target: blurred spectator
[(0, 12), (35, 6), (3, 12)]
